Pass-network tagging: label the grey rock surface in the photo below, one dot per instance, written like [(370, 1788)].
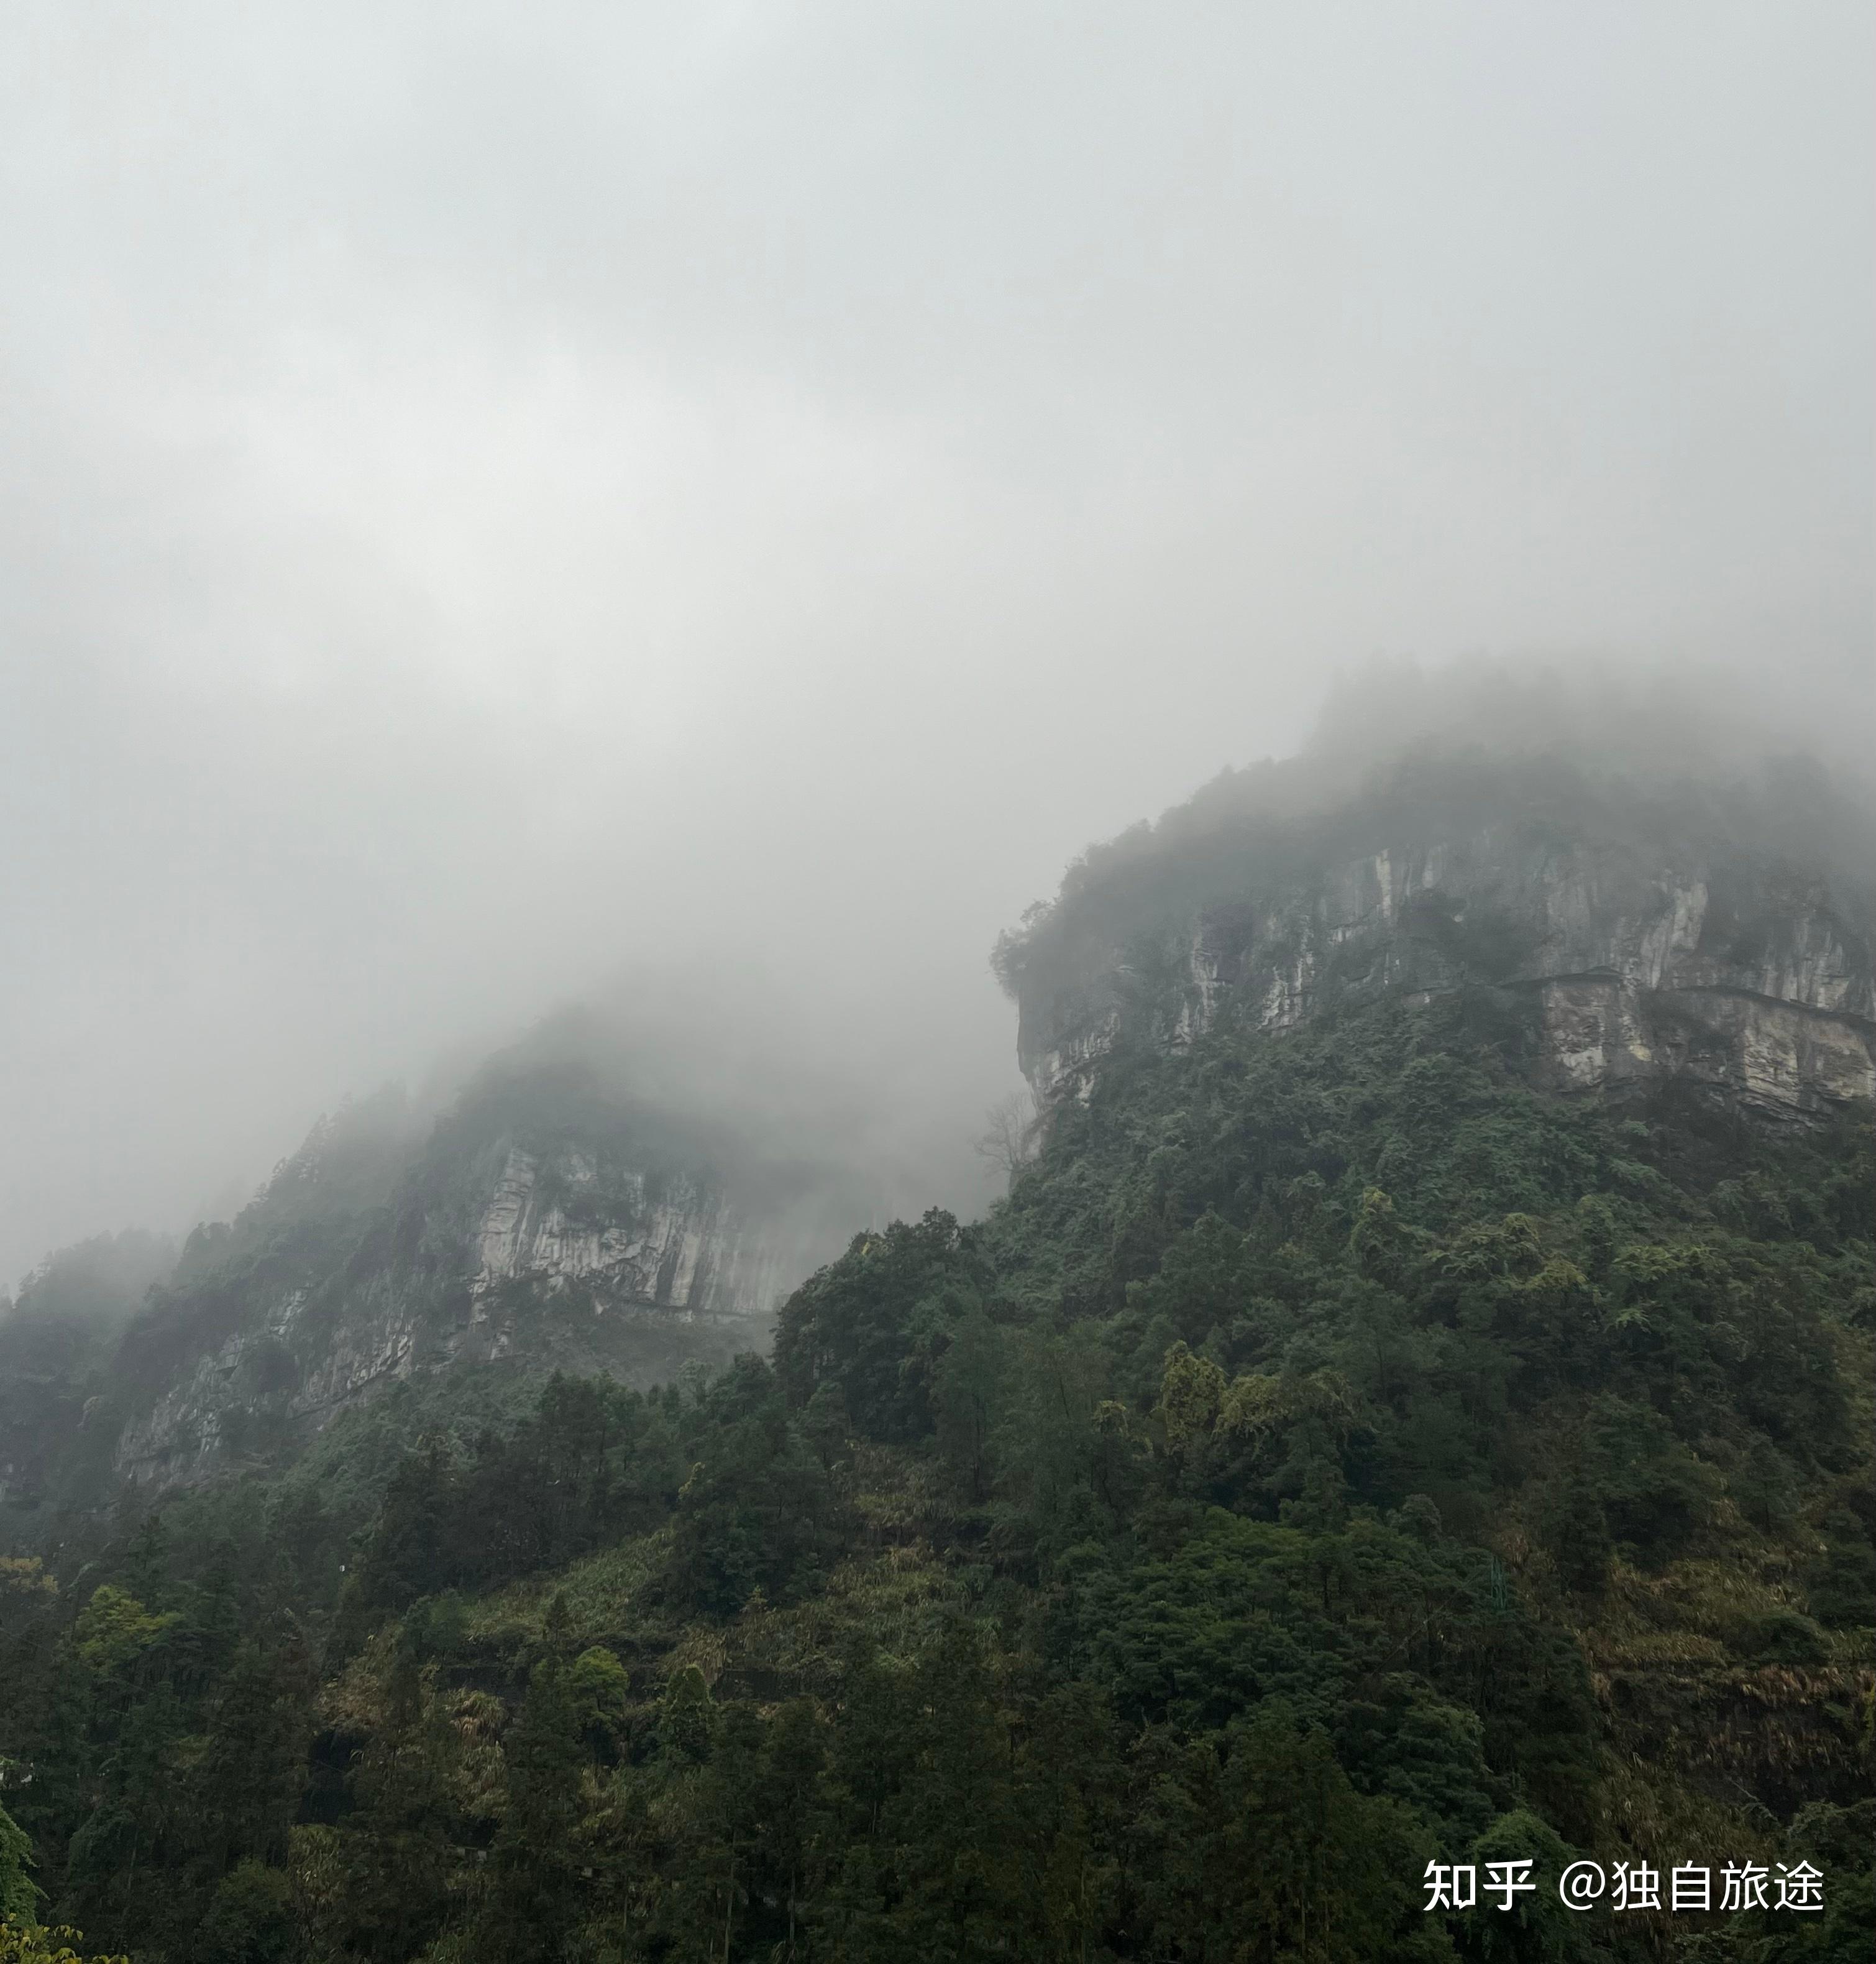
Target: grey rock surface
[(544, 1229), (1748, 983)]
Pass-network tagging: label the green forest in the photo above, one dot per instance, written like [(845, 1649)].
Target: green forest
[(1333, 1457)]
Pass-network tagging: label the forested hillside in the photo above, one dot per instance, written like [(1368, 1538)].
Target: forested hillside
[(553, 1218), (1338, 1453)]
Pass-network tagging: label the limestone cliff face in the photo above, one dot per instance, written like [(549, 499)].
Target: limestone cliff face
[(1747, 982), (688, 1251), (588, 1248)]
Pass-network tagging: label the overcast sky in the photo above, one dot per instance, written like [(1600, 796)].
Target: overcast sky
[(489, 495)]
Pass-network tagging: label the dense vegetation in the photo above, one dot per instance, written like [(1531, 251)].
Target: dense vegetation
[(1331, 1456)]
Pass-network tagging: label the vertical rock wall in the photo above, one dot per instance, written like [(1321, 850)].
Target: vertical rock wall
[(1750, 985)]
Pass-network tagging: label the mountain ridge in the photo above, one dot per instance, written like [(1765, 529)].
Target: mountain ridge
[(1679, 953), (549, 1218), (1349, 1445)]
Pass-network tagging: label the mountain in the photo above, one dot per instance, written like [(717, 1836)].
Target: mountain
[(1413, 1408), (551, 1220), (1638, 940)]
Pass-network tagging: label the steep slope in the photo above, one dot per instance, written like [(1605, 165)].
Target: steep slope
[(549, 1222), (1355, 1443), (1720, 939)]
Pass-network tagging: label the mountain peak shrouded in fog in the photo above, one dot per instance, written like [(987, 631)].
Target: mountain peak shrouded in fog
[(1405, 1398), (938, 945), (862, 1068), (1650, 721), (1625, 910), (1685, 760), (744, 496)]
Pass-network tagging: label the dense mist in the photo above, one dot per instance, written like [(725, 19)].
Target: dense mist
[(690, 518)]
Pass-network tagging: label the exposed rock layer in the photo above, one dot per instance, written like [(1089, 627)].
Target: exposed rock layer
[(1749, 984), (614, 1242)]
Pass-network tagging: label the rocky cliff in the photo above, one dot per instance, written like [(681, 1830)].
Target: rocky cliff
[(1621, 939), (1636, 940), (547, 1223)]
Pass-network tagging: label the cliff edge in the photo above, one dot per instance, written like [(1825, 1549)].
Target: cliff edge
[(1718, 940)]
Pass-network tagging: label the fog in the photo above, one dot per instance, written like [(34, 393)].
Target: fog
[(715, 505)]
